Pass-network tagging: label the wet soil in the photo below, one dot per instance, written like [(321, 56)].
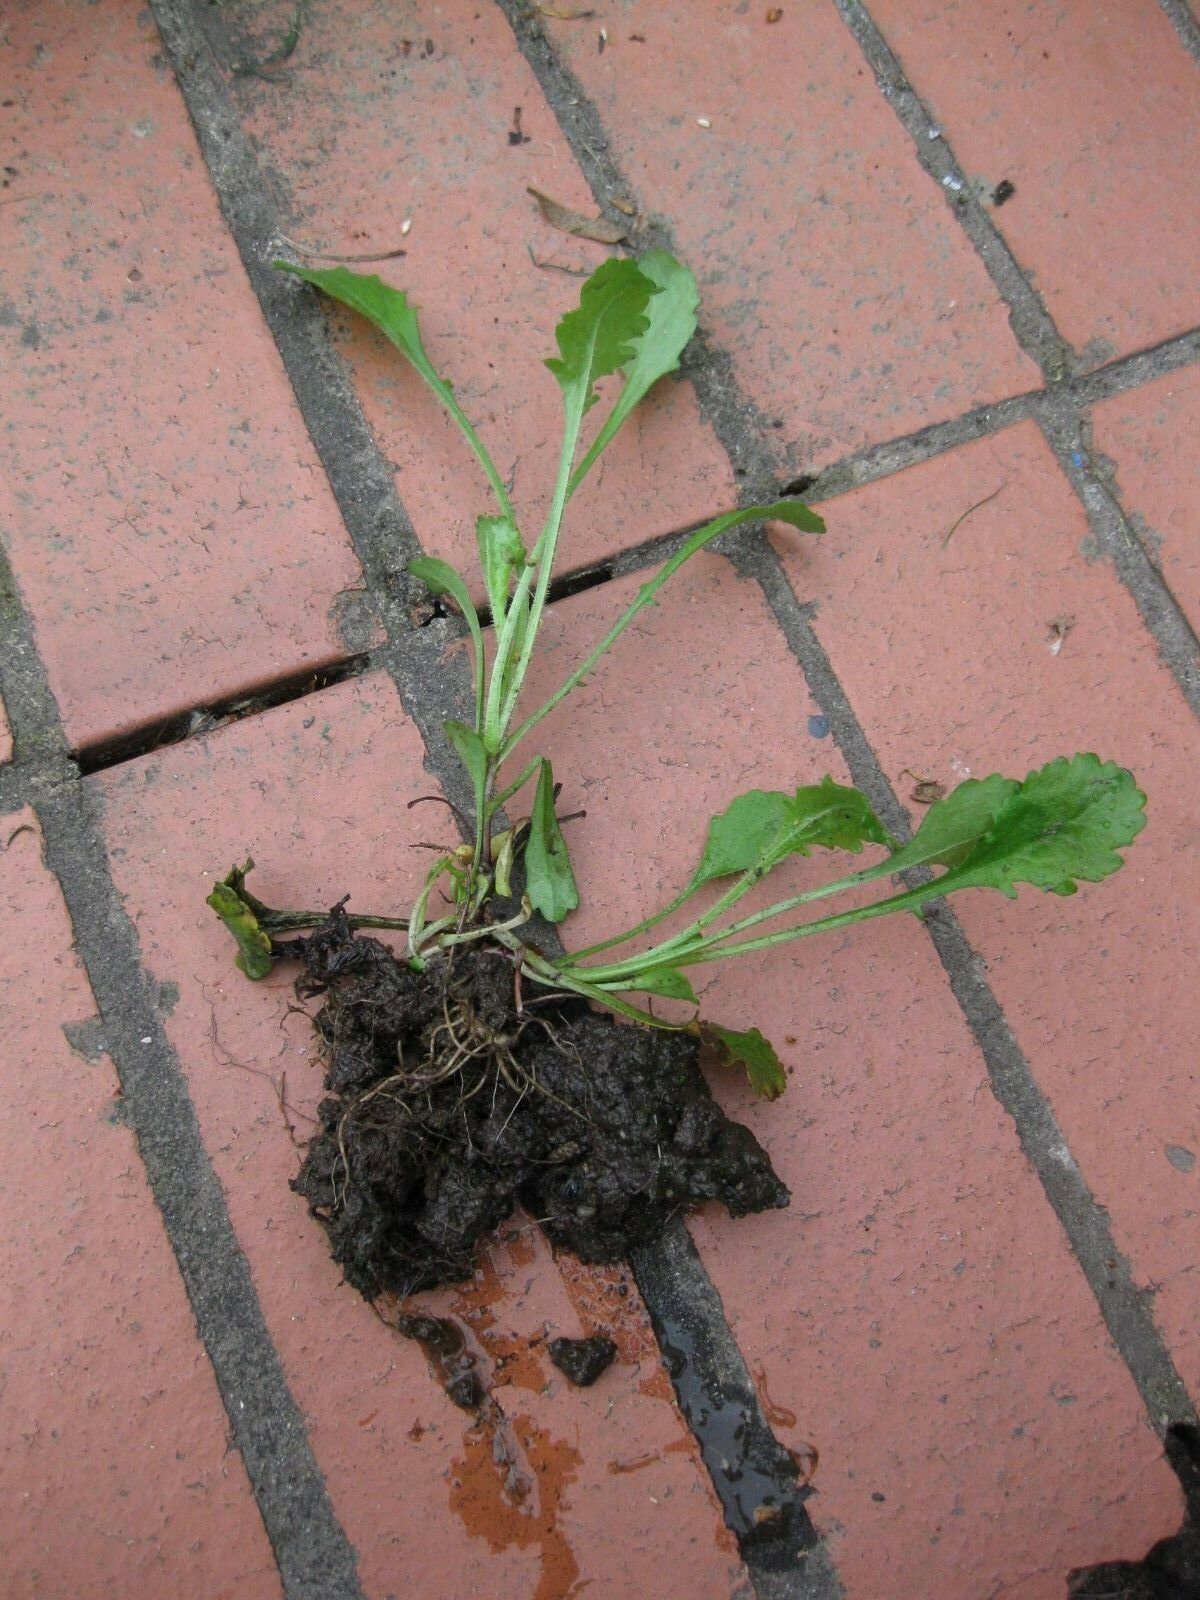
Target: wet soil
[(582, 1361), (451, 1102)]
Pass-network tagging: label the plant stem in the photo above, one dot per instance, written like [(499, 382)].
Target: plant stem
[(292, 921), (702, 536), (496, 801), (687, 937), (539, 970), (715, 950), (543, 554), (632, 933)]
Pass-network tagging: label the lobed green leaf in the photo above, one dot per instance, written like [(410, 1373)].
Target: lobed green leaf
[(763, 827), (1065, 822), (601, 335), (389, 309), (954, 825), (670, 323)]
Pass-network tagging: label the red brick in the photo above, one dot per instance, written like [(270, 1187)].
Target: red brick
[(117, 1475), (1090, 112), (317, 792), (1152, 435), (368, 133), (947, 651), (167, 519), (917, 1310), (831, 266)]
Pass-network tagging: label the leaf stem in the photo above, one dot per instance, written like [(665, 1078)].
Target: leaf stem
[(702, 536), (716, 950), (687, 937)]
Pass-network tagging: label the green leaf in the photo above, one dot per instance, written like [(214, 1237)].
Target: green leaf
[(501, 553), (602, 334), (750, 1050), (240, 913), (389, 309), (391, 312), (1065, 822), (953, 826), (441, 578), (762, 827), (473, 755), (665, 981), (548, 877), (671, 322)]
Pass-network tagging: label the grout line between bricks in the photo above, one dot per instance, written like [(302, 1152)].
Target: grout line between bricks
[(1064, 425), (1031, 322), (1186, 26), (1069, 434), (384, 539), (1125, 1308), (314, 1558), (359, 476)]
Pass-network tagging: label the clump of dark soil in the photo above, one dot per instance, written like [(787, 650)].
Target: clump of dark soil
[(1171, 1569), (448, 1106), (583, 1360)]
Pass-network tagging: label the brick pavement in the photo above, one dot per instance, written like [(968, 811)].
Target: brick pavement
[(980, 1309)]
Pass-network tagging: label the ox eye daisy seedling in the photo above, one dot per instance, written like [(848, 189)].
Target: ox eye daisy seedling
[(1064, 823)]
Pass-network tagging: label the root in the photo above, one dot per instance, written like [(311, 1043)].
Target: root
[(460, 1040)]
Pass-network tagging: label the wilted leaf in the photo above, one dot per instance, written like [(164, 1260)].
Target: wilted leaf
[(549, 880), (599, 229), (751, 1051), (241, 913), (762, 827)]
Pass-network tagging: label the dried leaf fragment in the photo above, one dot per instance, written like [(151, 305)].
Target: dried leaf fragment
[(925, 791), (1059, 628), (774, 14), (598, 229)]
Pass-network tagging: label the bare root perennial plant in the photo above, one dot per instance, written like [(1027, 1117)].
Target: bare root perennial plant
[(475, 1070)]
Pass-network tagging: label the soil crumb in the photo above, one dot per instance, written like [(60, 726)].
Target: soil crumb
[(448, 1106), (583, 1360)]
